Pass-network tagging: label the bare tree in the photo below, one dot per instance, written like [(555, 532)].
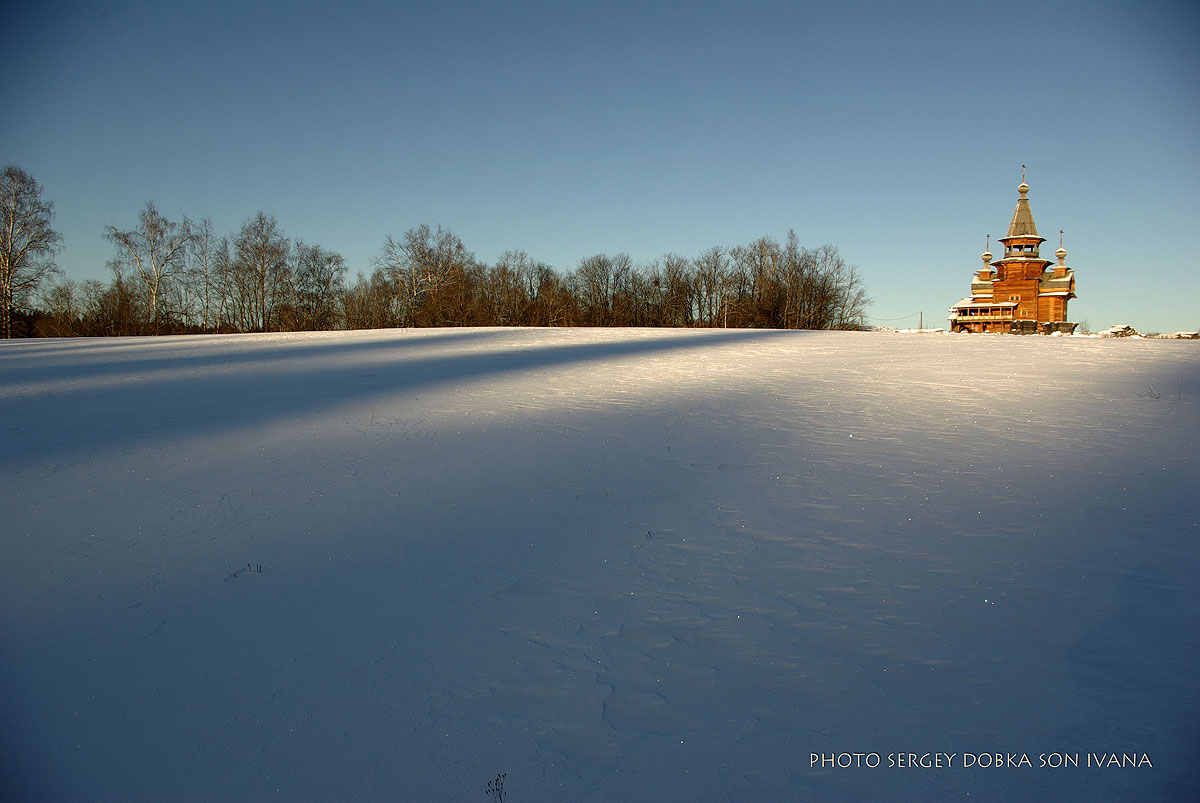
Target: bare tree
[(317, 279), (601, 284), (807, 287), (260, 270), (431, 273), (709, 278), (552, 302), (640, 298), (442, 267), (760, 267), (60, 301), (504, 298), (110, 310), (201, 273), (27, 242), (678, 291), (393, 265), (371, 303), (848, 309), (235, 291), (156, 250)]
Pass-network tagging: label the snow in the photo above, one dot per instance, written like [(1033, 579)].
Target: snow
[(613, 564)]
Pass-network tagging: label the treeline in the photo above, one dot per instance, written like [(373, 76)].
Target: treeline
[(173, 277)]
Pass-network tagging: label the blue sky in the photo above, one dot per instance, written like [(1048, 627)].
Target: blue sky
[(894, 131)]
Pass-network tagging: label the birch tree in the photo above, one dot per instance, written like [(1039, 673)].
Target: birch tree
[(201, 273), (156, 251), (27, 241), (261, 267), (430, 272)]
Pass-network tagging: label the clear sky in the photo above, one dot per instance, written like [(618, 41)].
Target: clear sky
[(895, 131)]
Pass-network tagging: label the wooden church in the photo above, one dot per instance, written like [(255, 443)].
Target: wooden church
[(1021, 292)]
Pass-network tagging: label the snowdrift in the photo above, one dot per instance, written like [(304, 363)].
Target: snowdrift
[(613, 564)]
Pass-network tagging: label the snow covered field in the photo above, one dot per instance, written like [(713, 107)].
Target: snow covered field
[(614, 564)]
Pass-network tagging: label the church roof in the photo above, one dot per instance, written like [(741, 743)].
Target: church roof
[(971, 302), (1022, 224)]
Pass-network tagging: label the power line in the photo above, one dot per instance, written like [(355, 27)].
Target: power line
[(902, 317)]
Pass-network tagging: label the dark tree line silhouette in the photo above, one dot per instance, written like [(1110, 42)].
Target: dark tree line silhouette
[(172, 277)]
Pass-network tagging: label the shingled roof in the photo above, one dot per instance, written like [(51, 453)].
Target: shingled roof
[(1022, 220)]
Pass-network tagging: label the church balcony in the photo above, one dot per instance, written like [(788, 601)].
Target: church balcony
[(983, 311), (971, 315)]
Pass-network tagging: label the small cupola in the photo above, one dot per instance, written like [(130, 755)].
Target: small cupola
[(986, 271), (1060, 270)]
